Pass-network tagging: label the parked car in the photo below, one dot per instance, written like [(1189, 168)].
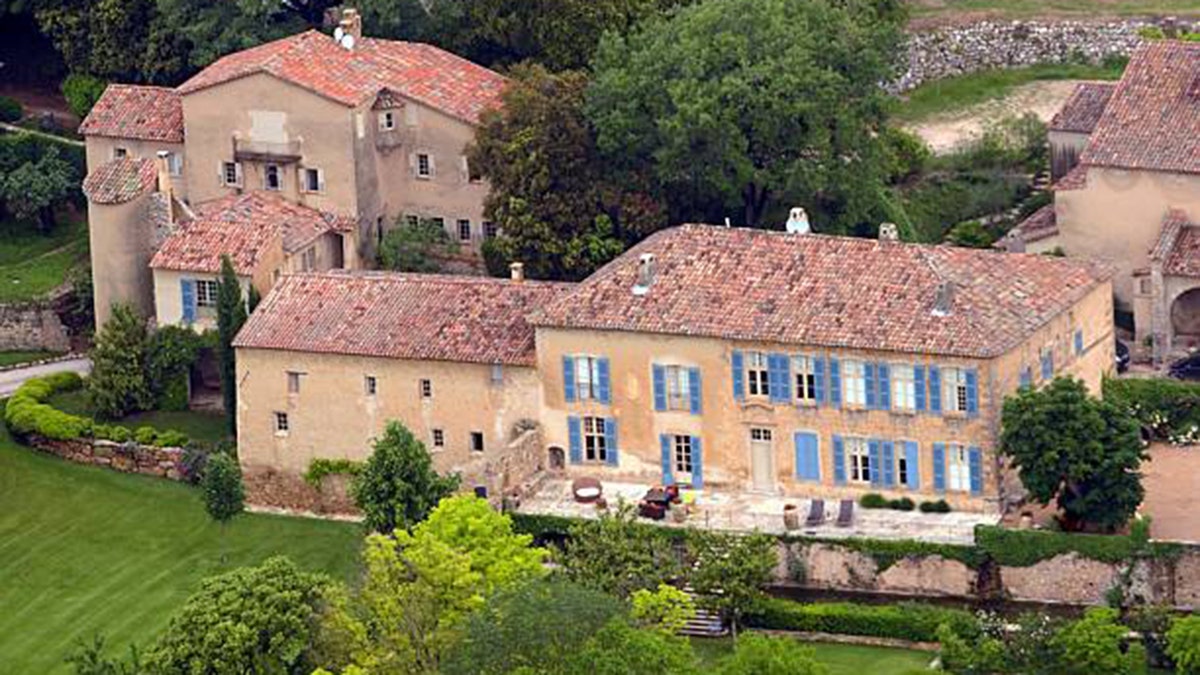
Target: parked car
[(1122, 357), (1187, 368)]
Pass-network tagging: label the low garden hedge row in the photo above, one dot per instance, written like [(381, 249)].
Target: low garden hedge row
[(1024, 548), (912, 621), (28, 413)]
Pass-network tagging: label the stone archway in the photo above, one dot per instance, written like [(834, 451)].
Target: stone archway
[(1185, 314)]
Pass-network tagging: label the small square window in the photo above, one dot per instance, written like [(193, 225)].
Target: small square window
[(413, 221), (118, 153), (175, 163), (439, 438), (489, 230), (424, 167), (281, 422), (476, 441), (231, 174), (440, 222), (370, 385), (387, 121), (293, 382), (426, 389), (312, 180), (272, 178), (464, 230), (206, 293)]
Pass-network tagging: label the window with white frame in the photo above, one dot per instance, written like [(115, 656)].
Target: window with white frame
[(387, 120), (293, 382), (424, 167), (804, 370), (231, 174), (760, 434), (370, 385), (904, 388), (858, 459), (682, 446), (439, 438), (120, 152), (489, 230), (757, 374), (426, 388), (476, 441), (954, 390), (854, 383), (175, 163), (587, 378), (595, 444), (464, 229), (206, 293), (958, 468), (272, 177), (312, 180), (281, 422), (678, 386)]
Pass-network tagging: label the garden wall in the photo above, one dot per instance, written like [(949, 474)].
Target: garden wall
[(33, 326), (126, 457)]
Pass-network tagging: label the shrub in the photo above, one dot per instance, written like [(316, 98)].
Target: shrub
[(873, 500), (1022, 548), (940, 506), (1183, 644), (82, 92), (195, 458), (145, 435), (10, 109), (904, 621), (319, 468), (415, 248), (27, 412), (1168, 408), (171, 439), (902, 504), (170, 354), (119, 434)]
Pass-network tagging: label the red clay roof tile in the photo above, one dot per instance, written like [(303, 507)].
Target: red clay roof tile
[(1082, 110), (120, 180), (132, 111)]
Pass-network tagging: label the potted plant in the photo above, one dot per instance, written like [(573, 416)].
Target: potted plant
[(791, 517)]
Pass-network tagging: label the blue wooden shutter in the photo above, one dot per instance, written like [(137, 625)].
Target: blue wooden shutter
[(1026, 377), (697, 463), (1047, 365), (819, 379), (912, 458), (808, 462), (694, 390), (972, 392), (738, 366), (668, 462), (1078, 342), (575, 438), (568, 379), (919, 387), (869, 375), (975, 462), (839, 461), (835, 382), (935, 390), (939, 467), (660, 387), (610, 440), (187, 287), (876, 462), (778, 376), (885, 387), (603, 392), (889, 463)]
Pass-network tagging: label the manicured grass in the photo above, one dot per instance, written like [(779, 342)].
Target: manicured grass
[(199, 426), (838, 658), (86, 550), (15, 358), (33, 264), (957, 93), (1017, 9)]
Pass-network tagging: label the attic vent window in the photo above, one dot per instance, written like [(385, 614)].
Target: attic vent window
[(944, 301), (645, 274)]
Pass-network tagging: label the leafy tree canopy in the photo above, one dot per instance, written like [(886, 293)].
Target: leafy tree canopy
[(666, 609), (398, 486), (1093, 646), (1183, 644), (617, 555), (224, 496), (415, 248), (117, 385), (1077, 449), (621, 649), (731, 571), (762, 655), (33, 190)]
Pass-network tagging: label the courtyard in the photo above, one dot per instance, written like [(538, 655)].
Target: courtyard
[(1172, 481)]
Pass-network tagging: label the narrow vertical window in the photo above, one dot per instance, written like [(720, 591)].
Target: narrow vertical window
[(426, 389)]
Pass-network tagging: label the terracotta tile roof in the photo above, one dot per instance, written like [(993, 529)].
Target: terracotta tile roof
[(313, 61), (1076, 179), (400, 316), (131, 111), (1083, 108), (742, 284), (244, 227), (120, 180), (1178, 246), (1043, 224), (1153, 119)]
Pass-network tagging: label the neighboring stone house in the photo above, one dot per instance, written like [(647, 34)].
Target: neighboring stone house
[(1126, 197), (727, 359), (371, 130)]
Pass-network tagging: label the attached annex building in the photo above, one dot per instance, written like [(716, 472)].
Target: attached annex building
[(264, 144), (720, 358)]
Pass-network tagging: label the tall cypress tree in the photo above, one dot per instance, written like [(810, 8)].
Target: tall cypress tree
[(231, 315)]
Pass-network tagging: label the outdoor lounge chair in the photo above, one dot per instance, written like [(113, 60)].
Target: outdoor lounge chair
[(816, 513), (845, 513)]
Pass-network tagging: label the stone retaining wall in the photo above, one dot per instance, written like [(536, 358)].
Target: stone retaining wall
[(126, 457), (33, 326)]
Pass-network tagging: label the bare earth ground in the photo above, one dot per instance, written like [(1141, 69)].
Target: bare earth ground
[(1172, 481), (944, 132)]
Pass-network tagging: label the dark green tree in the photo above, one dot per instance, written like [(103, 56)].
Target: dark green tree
[(415, 248), (117, 385), (1081, 451), (171, 352), (82, 92), (224, 496), (763, 655), (731, 571), (1095, 645), (617, 555), (33, 190), (1183, 644), (92, 658), (748, 107), (621, 649), (398, 485), (231, 316), (105, 38)]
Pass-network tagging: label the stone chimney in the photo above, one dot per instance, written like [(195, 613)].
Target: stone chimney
[(517, 271), (645, 274), (797, 222), (1014, 243), (889, 233), (350, 28), (943, 303), (165, 187)]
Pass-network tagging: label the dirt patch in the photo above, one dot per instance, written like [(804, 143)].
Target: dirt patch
[(943, 133), (1172, 481), (39, 101)]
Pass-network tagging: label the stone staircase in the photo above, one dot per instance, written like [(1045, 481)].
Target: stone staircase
[(704, 623)]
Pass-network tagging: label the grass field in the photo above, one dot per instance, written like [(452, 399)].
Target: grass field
[(86, 550), (33, 264), (200, 426), (957, 93), (1023, 9), (18, 357), (839, 659)]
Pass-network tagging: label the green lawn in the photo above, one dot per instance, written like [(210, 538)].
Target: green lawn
[(1018, 9), (33, 264), (838, 658), (957, 93), (15, 358), (86, 550), (200, 426)]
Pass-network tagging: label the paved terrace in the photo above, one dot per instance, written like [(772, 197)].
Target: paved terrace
[(743, 511)]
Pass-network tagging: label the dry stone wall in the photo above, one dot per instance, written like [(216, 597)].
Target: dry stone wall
[(32, 326), (125, 457)]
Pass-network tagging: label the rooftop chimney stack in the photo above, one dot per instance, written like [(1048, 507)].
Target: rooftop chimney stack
[(797, 222), (1014, 243), (889, 233), (163, 164), (349, 31), (645, 274), (944, 302), (516, 271)]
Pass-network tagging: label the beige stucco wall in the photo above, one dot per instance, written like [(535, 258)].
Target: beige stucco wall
[(168, 298), (332, 416), (99, 149), (120, 239), (1118, 215)]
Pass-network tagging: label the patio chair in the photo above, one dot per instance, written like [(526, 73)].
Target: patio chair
[(816, 513), (845, 513)]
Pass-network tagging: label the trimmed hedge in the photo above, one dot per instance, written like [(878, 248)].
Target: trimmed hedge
[(557, 528), (1023, 548), (912, 621), (27, 412)]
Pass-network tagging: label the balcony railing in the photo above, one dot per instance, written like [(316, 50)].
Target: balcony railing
[(266, 151)]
